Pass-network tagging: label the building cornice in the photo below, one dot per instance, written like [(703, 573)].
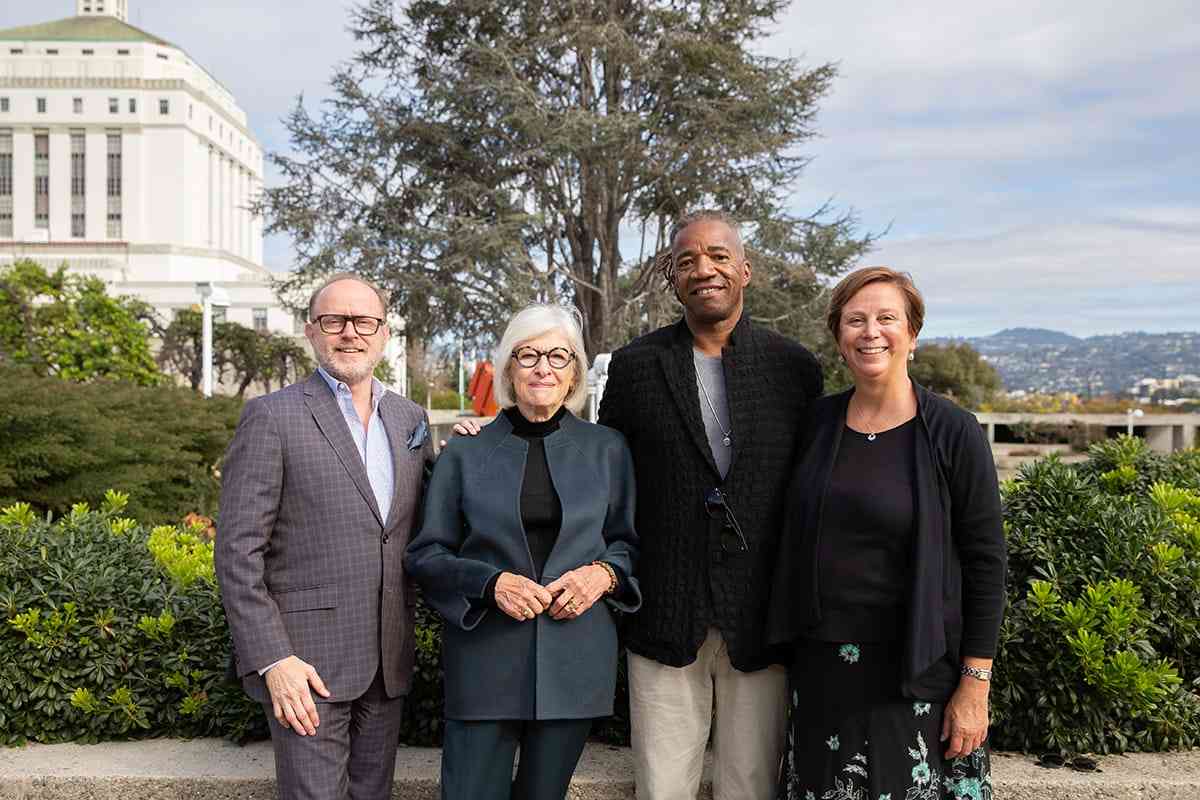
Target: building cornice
[(82, 247), (135, 84)]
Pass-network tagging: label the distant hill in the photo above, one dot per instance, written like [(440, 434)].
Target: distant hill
[(1042, 360)]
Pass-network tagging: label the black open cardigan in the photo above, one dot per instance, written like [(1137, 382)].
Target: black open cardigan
[(956, 599)]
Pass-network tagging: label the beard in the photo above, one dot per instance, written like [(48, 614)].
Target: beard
[(349, 374)]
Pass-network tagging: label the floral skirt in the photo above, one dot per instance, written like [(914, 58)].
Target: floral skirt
[(852, 736)]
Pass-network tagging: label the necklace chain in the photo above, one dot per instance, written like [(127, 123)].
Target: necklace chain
[(727, 439)]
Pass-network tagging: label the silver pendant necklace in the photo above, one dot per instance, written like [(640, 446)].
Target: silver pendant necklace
[(727, 440)]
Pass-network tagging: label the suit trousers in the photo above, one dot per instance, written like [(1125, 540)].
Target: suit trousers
[(352, 756), (672, 711), (477, 758)]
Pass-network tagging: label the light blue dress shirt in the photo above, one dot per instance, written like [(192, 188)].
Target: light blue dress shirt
[(372, 443)]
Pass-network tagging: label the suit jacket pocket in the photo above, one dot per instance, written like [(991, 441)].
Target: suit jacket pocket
[(309, 599)]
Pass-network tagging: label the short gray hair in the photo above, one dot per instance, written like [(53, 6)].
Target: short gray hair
[(530, 323), (346, 276)]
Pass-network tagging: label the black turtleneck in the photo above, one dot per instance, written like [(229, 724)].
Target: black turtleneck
[(541, 510)]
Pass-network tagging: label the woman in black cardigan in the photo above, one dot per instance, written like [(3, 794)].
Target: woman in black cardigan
[(890, 579)]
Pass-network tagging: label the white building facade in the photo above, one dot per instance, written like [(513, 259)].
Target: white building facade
[(123, 158)]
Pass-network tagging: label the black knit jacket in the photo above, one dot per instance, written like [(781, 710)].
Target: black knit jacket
[(688, 582)]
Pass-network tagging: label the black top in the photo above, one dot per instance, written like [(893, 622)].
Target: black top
[(689, 584), (956, 595), (866, 537), (541, 510)]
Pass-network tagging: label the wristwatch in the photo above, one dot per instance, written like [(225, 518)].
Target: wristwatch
[(976, 673)]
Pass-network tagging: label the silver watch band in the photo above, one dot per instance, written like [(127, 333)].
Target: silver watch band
[(977, 673)]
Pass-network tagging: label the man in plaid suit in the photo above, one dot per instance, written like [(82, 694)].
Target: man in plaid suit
[(320, 492)]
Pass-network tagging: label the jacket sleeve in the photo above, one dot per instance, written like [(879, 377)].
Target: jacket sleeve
[(620, 538), (453, 585), (978, 529), (612, 405), (251, 486)]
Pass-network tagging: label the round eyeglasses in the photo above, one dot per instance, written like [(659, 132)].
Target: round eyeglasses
[(556, 357)]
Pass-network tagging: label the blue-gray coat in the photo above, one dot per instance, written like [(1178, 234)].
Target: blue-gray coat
[(498, 667)]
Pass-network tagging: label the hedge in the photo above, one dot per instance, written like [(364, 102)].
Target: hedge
[(114, 629)]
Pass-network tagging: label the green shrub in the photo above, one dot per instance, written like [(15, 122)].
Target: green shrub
[(1100, 647), (103, 639), (68, 442)]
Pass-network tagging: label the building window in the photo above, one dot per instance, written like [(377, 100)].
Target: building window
[(113, 186), (163, 56), (6, 185), (133, 105), (4, 104), (16, 51), (41, 180), (78, 185), (52, 52), (122, 52), (41, 105), (260, 320), (164, 107), (218, 313), (77, 105), (191, 108), (298, 320), (89, 52), (114, 105)]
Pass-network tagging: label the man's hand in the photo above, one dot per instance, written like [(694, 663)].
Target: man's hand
[(520, 597), (467, 427), (577, 590), (288, 683)]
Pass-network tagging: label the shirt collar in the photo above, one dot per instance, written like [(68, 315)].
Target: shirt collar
[(340, 388)]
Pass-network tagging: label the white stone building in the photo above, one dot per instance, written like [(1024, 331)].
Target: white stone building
[(124, 158)]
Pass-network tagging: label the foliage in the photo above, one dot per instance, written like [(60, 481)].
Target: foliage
[(1068, 403), (101, 639), (245, 355), (476, 156), (66, 325), (955, 370), (66, 442), (1100, 647)]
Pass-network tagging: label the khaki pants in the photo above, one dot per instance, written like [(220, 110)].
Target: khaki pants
[(671, 710)]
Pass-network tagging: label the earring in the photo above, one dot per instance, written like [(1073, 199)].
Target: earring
[(911, 355)]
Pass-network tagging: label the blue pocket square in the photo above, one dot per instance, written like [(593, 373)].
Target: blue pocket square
[(417, 438)]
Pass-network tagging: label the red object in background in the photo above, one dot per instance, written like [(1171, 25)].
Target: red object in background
[(480, 390)]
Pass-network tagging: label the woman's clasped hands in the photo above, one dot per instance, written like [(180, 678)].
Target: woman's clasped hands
[(567, 597)]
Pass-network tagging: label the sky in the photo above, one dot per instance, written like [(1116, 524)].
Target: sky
[(1032, 163)]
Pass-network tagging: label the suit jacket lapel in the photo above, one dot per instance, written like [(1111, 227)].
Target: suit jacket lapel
[(398, 441), (679, 368), (740, 363), (328, 416)]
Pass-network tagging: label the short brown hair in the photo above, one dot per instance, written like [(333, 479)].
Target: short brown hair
[(854, 282), (346, 276)]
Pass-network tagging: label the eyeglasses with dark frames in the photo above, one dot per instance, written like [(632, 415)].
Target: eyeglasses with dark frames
[(715, 503), (556, 357), (336, 323)]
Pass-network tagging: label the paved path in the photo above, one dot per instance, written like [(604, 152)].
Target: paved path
[(212, 769)]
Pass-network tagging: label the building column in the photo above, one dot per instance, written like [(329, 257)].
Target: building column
[(22, 184), (228, 243), (60, 186)]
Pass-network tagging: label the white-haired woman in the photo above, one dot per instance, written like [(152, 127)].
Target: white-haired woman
[(527, 546)]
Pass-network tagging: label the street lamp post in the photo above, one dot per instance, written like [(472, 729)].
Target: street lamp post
[(210, 295)]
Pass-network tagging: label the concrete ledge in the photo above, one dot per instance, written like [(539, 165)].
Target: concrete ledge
[(212, 769)]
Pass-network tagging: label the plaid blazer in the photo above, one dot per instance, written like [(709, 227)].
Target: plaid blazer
[(306, 565)]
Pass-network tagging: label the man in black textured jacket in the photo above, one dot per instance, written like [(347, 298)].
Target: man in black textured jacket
[(709, 408)]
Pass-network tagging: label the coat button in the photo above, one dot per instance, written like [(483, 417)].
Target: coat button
[(385, 538)]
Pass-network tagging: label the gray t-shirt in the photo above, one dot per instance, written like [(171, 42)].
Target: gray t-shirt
[(712, 377)]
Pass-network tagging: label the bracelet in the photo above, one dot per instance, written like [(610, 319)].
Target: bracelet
[(976, 672), (612, 575)]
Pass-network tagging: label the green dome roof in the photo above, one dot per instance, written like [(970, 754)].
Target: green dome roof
[(81, 29)]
